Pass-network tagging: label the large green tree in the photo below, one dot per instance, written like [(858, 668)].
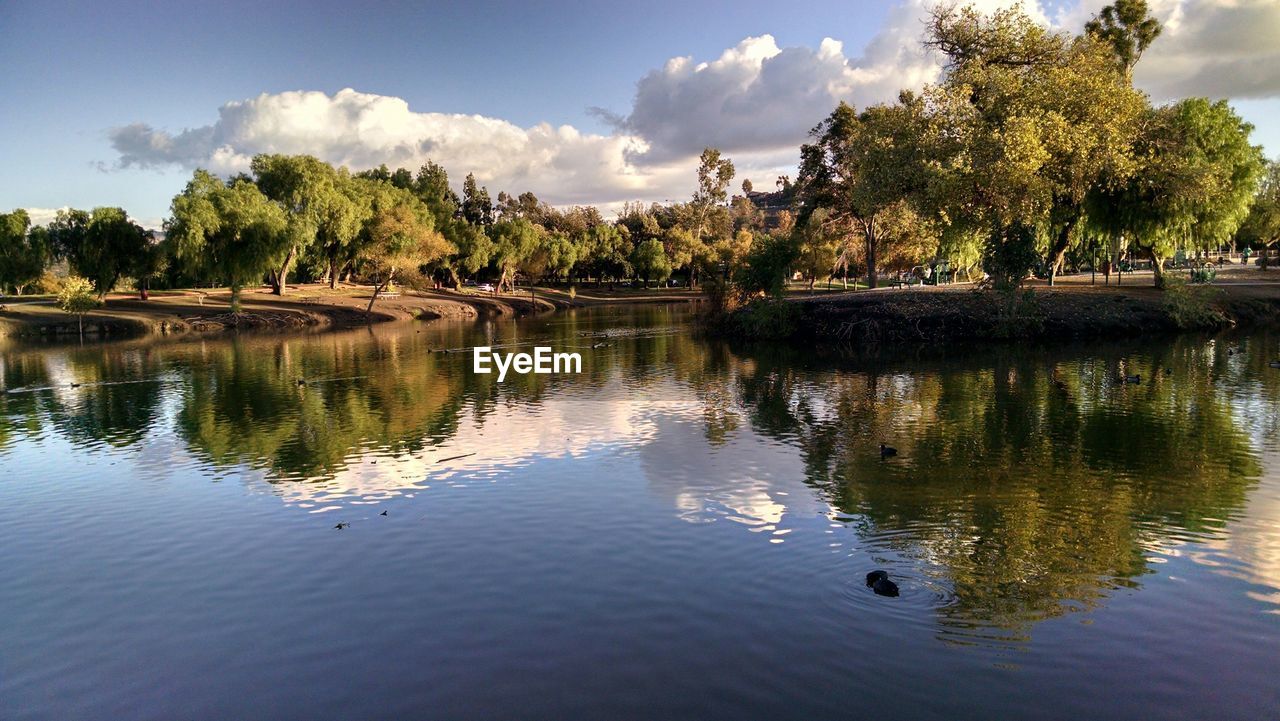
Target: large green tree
[(1041, 120), (401, 239), (1198, 177), (24, 251), (867, 169), (1262, 226), (322, 208), (233, 233), (102, 245)]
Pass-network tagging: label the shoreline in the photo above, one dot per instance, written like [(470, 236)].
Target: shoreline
[(1072, 310), (306, 307)]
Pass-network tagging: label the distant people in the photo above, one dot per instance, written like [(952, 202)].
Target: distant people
[(1244, 256)]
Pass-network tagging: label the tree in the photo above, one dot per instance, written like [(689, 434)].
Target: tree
[(77, 296), (232, 232), (650, 261), (101, 246), (152, 263), (305, 187), (513, 242), (1262, 226), (1197, 181), (1040, 121), (606, 252), (866, 168), (341, 220), (1127, 27), (401, 238), (24, 251), (708, 219), (817, 247), (477, 209)]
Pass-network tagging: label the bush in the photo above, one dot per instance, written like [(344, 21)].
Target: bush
[(1018, 315), (1192, 306), (766, 318)]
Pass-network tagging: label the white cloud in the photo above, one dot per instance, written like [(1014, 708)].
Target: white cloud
[(43, 216), (362, 130), (1214, 48), (756, 102)]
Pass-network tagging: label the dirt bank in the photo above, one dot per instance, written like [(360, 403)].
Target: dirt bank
[(306, 306), (1073, 309)]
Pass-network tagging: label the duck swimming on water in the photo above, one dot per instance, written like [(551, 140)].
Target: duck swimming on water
[(887, 451), (880, 583)]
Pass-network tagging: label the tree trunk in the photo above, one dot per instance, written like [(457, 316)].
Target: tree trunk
[(377, 289), (282, 275), (1157, 268), (1059, 249), (80, 320), (334, 271), (870, 235), (235, 299)]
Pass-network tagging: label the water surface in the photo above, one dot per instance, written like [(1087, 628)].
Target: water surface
[(681, 531)]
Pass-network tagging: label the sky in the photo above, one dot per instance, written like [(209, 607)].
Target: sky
[(580, 102)]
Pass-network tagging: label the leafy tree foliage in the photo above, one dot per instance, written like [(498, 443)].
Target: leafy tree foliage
[(232, 232), (24, 251)]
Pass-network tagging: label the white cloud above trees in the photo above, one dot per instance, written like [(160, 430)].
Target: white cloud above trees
[(756, 102)]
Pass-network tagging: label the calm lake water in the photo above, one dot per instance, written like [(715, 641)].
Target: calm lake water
[(681, 531)]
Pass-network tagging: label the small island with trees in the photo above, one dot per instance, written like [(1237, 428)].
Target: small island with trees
[(1029, 171)]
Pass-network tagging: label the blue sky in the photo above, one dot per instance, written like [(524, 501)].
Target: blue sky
[(75, 73)]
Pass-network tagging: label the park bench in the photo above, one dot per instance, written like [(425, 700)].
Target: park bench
[(389, 295)]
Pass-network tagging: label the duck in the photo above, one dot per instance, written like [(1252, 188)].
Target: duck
[(383, 513), (1274, 364), (880, 583), (302, 382), (887, 451), (342, 525), (75, 385), (1123, 379), (1168, 371)]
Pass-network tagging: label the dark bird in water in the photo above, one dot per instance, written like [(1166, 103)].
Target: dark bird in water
[(301, 382), (879, 582), (599, 345), (1231, 351), (1274, 364), (1135, 380), (383, 513), (342, 525), (75, 385), (1168, 371), (886, 451)]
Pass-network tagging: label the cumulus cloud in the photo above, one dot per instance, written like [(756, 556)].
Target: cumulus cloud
[(1214, 48), (756, 101), (362, 130)]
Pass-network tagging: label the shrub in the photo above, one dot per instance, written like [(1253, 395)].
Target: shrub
[(1192, 306)]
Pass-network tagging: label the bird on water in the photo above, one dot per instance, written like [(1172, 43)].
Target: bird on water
[(342, 525), (886, 451), (879, 582)]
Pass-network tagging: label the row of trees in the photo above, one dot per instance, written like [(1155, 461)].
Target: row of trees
[(1032, 152), (299, 217)]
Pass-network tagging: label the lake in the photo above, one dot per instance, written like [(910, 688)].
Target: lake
[(683, 530)]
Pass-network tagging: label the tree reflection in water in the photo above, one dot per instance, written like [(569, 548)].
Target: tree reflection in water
[(1029, 484)]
